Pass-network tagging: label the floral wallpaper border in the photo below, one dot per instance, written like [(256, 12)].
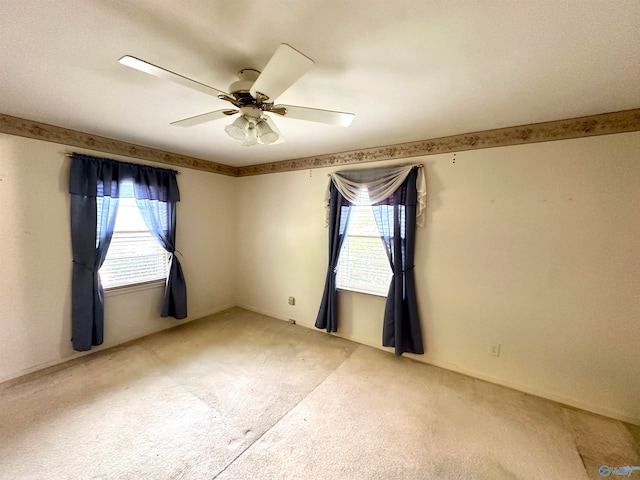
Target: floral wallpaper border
[(602, 124), (74, 138)]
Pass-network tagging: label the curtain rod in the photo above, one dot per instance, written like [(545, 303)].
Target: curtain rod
[(419, 165), (69, 155)]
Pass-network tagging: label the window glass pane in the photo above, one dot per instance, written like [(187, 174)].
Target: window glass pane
[(134, 255), (363, 264), (129, 218), (362, 222)]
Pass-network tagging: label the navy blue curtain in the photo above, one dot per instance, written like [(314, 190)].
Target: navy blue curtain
[(160, 218), (91, 231), (94, 185), (396, 220), (339, 211)]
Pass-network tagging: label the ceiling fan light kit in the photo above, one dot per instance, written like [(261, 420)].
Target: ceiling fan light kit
[(266, 135), (253, 95), (237, 129), (251, 127), (251, 137)]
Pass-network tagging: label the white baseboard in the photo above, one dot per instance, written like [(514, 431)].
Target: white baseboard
[(568, 401), (211, 311), (105, 346), (261, 311)]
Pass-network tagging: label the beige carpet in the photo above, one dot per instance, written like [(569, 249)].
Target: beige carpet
[(243, 396)]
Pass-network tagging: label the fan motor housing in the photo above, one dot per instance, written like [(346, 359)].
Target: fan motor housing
[(247, 77), (241, 89)]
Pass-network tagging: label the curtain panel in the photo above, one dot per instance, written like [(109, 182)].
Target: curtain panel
[(396, 220), (339, 213), (94, 187), (398, 199)]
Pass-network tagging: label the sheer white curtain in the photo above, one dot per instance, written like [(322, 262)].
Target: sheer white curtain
[(380, 184)]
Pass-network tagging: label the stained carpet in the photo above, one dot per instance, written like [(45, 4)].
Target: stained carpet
[(242, 396)]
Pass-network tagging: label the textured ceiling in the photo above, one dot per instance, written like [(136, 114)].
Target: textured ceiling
[(409, 70)]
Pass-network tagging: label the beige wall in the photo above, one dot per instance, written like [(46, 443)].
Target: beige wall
[(35, 257), (534, 247)]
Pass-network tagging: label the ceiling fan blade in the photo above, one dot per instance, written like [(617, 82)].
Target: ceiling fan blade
[(330, 117), (285, 67), (205, 117), (151, 69)]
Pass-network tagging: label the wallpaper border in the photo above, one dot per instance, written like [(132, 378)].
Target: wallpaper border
[(592, 125), (588, 126), (50, 133)]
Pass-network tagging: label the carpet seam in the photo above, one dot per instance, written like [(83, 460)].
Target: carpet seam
[(285, 414)]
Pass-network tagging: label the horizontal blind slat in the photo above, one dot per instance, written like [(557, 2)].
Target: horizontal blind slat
[(363, 265), (134, 255)]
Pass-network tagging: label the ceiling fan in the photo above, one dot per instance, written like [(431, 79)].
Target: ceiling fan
[(253, 96)]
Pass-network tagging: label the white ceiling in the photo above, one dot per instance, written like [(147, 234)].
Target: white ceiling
[(409, 70)]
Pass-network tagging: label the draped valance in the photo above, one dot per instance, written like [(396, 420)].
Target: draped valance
[(150, 183), (380, 184)]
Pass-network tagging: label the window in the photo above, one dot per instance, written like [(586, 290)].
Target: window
[(363, 265), (134, 255)]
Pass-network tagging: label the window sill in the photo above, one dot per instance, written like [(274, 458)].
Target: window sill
[(136, 287), (361, 292)]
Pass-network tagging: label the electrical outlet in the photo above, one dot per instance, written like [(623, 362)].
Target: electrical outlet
[(495, 349), (292, 300)]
